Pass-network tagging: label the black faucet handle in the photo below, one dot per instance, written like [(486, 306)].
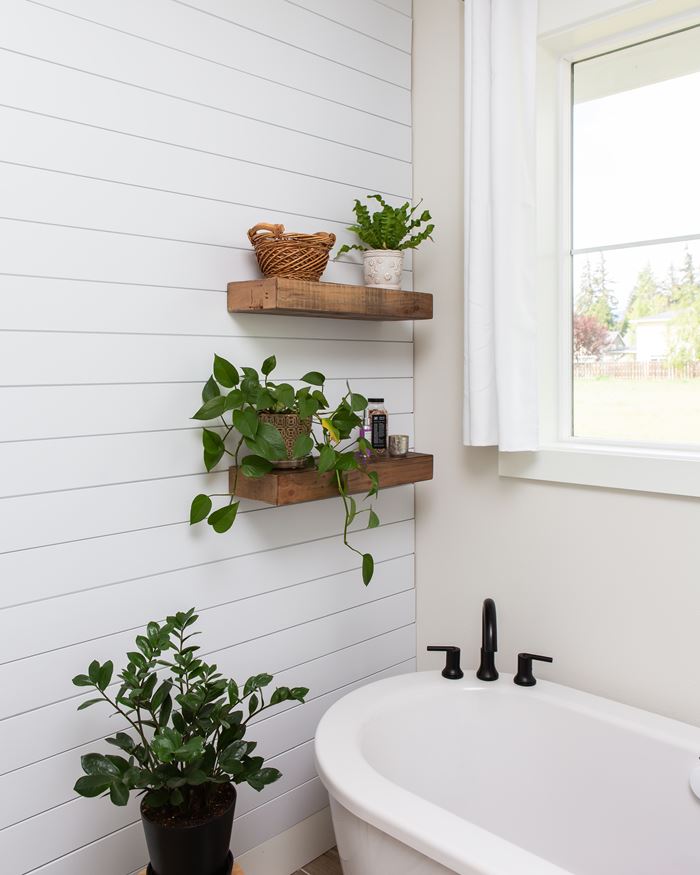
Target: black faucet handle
[(452, 670), (525, 677)]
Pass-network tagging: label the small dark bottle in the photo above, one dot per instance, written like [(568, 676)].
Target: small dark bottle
[(378, 425)]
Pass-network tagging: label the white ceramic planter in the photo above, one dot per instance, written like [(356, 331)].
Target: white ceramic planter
[(383, 268)]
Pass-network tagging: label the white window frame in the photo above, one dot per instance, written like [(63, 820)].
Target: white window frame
[(562, 458)]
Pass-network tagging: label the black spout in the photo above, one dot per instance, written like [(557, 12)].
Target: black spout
[(489, 642)]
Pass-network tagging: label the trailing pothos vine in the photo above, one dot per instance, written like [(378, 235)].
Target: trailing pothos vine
[(234, 399)]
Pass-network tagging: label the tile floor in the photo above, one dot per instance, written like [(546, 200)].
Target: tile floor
[(328, 864)]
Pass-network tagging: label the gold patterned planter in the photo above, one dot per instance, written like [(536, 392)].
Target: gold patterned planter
[(290, 426)]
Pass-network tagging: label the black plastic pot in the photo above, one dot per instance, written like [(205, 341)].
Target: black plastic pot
[(202, 849)]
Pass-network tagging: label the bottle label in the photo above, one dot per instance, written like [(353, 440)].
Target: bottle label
[(379, 431)]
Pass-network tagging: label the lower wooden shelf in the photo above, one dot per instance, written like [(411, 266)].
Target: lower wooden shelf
[(306, 484)]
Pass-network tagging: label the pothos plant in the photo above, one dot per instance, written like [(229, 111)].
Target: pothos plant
[(388, 228), (187, 724), (235, 401)]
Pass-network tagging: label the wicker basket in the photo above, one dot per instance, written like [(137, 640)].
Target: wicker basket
[(295, 256)]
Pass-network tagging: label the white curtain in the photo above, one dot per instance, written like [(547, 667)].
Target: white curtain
[(500, 405)]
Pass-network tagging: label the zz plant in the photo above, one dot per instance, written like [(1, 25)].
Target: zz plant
[(388, 228), (187, 724), (234, 400)]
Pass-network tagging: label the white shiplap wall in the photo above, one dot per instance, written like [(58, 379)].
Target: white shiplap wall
[(139, 142)]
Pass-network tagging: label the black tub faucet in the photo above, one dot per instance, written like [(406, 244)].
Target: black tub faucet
[(489, 642)]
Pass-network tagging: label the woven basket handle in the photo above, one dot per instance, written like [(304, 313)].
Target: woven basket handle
[(277, 230)]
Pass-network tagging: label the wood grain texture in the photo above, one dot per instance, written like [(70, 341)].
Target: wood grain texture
[(288, 297), (293, 487)]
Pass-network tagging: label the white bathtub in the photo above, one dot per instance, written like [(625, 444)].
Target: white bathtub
[(429, 776)]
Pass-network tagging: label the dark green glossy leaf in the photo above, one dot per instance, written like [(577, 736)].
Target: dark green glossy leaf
[(200, 509), (225, 372), (105, 677), (302, 446), (210, 390), (119, 793), (82, 680), (269, 365), (212, 441), (373, 520), (246, 422), (255, 466), (260, 779), (234, 399), (314, 378), (211, 409), (88, 703), (97, 764), (367, 568), (268, 443), (326, 459), (358, 402), (92, 785), (222, 520)]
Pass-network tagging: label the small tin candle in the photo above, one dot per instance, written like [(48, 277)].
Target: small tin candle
[(398, 445)]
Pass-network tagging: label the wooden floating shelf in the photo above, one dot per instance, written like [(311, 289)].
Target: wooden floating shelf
[(306, 484), (287, 297)]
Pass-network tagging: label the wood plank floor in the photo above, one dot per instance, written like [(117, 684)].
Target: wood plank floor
[(328, 864)]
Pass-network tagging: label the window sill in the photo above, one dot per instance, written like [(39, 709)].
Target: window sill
[(672, 472)]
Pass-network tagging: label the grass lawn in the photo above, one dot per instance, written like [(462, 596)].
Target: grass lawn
[(666, 411)]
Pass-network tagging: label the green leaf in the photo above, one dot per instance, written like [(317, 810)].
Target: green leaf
[(260, 779), (165, 711), (253, 703), (284, 393), (201, 507), (225, 372), (231, 756), (211, 409), (212, 441), (232, 692), (281, 694), (210, 390), (263, 680), (251, 373), (160, 695), (234, 399), (358, 402), (268, 443), (122, 741), (191, 750), (94, 671), (374, 478), (222, 519), (246, 422), (255, 466), (326, 459), (92, 785), (367, 568), (119, 793), (269, 365), (211, 460), (302, 446), (82, 680), (299, 693), (373, 520), (97, 764), (176, 798), (89, 702), (352, 509), (307, 406), (105, 675), (313, 378)]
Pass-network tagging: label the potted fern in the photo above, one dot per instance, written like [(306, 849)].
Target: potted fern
[(387, 233), (186, 748)]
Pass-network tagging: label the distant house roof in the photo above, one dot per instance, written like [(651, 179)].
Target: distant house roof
[(658, 317)]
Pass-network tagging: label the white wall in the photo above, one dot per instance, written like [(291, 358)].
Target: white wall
[(605, 581), (140, 141)]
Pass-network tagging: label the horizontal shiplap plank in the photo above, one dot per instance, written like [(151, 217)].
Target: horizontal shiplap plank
[(83, 822), (96, 613), (405, 7), (41, 304), (43, 785), (71, 147), (292, 25), (61, 199), (42, 412), (81, 44), (366, 16), (185, 29), (48, 88), (29, 467), (69, 358), (102, 553)]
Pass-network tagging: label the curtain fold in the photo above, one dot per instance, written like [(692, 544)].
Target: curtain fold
[(500, 404)]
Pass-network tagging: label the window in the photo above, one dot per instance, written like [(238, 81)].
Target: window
[(618, 227), (635, 228)]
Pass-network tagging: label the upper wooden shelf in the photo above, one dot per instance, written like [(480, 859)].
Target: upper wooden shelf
[(286, 297), (306, 484)]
